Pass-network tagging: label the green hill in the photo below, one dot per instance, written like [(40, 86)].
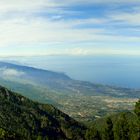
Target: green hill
[(120, 126), (83, 101), (21, 118)]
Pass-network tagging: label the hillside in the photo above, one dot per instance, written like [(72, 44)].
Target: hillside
[(83, 101), (121, 126), (60, 82), (21, 118)]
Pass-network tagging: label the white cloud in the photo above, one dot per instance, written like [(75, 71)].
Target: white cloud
[(100, 51), (23, 5), (77, 51), (8, 72), (35, 31), (68, 2), (19, 25), (128, 18), (36, 5)]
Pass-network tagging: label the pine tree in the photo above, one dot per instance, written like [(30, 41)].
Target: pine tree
[(137, 109), (137, 112), (109, 134), (92, 134), (122, 128)]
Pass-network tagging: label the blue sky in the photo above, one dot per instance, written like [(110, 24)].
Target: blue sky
[(76, 27)]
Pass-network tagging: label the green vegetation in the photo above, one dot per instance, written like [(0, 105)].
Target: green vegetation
[(109, 135), (83, 108), (23, 119), (92, 134), (137, 109), (123, 126), (83, 101)]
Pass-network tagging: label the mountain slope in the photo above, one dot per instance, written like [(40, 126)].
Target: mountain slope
[(83, 101), (26, 119), (60, 82)]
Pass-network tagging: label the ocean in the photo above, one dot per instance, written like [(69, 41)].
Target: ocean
[(123, 71)]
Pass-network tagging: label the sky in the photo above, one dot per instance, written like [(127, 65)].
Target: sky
[(69, 27)]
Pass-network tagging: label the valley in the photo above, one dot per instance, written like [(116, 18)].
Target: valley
[(24, 119), (84, 101), (69, 70)]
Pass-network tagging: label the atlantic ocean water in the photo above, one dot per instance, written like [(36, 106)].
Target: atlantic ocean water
[(123, 71)]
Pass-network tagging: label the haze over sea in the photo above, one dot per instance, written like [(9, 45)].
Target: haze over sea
[(123, 71)]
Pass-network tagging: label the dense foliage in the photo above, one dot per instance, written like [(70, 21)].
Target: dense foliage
[(25, 119), (122, 126)]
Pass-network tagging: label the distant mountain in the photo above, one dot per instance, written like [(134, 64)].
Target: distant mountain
[(81, 100), (21, 118), (60, 82), (31, 73)]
